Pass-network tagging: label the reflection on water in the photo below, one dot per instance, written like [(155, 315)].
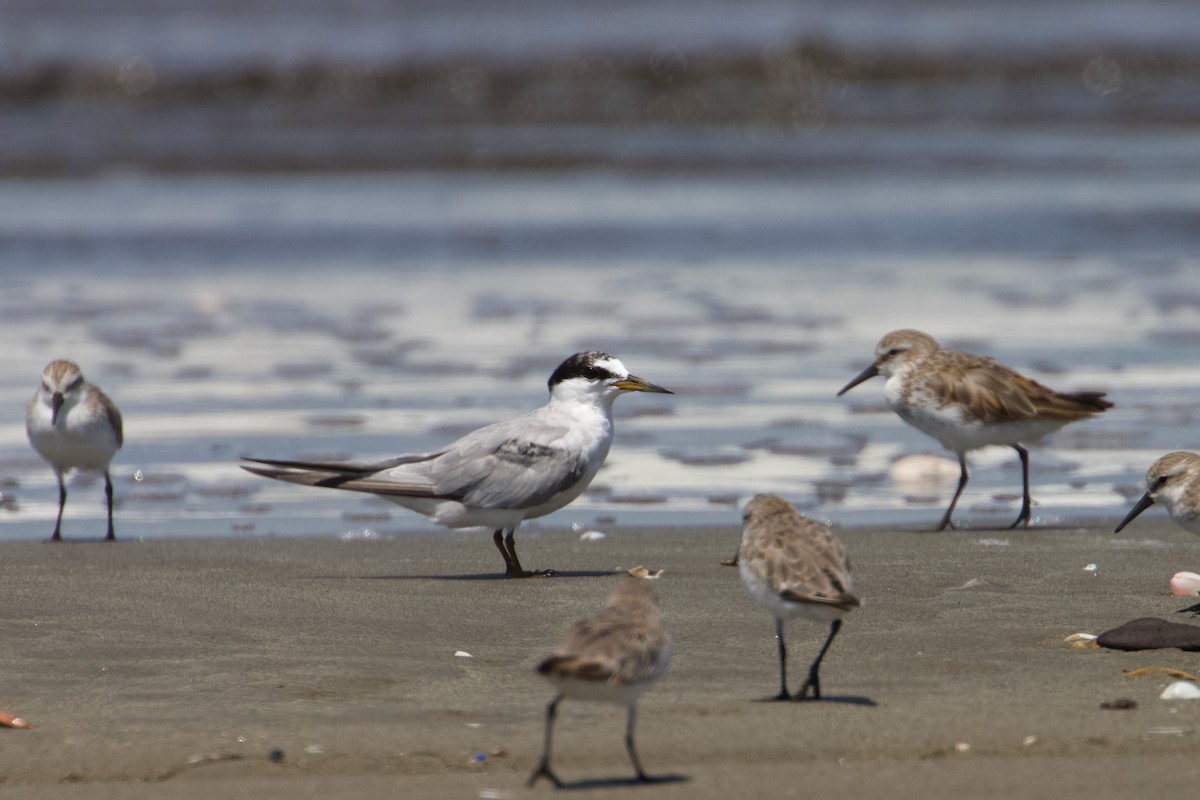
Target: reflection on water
[(362, 316)]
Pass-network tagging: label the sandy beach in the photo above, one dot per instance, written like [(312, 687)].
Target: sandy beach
[(314, 668)]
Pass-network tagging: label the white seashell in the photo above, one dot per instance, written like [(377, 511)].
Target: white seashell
[(462, 654), (1185, 584), (962, 747), (1180, 690), (1090, 568), (1080, 637), (1029, 741), (924, 469), (591, 536)]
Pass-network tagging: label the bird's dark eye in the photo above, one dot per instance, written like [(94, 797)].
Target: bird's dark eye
[(895, 351), (1161, 482), (592, 374)]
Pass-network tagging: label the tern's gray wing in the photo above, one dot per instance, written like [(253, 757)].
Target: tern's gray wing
[(517, 464)]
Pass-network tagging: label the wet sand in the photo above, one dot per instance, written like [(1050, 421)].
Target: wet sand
[(179, 668)]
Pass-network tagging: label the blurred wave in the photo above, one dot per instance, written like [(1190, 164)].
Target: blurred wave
[(275, 86)]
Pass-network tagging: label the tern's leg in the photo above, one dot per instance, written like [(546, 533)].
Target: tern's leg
[(1026, 511), (783, 692), (498, 538), (1194, 609), (108, 494), (637, 765), (543, 768), (814, 677), (62, 503), (510, 545), (962, 484)]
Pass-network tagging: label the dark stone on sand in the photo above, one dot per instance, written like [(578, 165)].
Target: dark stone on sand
[(1150, 633)]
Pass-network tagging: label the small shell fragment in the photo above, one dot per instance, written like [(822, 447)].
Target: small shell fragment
[(1185, 584), (592, 536), (1180, 690), (1174, 673), (1080, 637), (1029, 741), (9, 721), (641, 572), (962, 747), (462, 654), (1090, 568)]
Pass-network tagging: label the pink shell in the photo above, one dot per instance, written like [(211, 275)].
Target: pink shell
[(1185, 584)]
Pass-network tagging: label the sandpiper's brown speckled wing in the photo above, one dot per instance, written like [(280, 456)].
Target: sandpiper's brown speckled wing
[(994, 393), (802, 559), (625, 643)]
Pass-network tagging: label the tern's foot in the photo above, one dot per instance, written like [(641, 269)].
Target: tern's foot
[(530, 573), (1195, 610)]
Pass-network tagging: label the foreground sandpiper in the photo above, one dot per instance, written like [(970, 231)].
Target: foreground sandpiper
[(796, 568), (610, 657)]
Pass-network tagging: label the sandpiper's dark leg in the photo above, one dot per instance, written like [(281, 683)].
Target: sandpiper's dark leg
[(962, 484), (637, 765), (543, 768), (814, 677), (1026, 502), (108, 494), (62, 503), (783, 692)]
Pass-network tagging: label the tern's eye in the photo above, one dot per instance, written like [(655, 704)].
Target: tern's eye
[(592, 374)]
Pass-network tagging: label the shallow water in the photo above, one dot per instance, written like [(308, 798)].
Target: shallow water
[(268, 230), (362, 316)]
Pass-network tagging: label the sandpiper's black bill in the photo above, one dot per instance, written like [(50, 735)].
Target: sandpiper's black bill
[(865, 375), (1141, 506)]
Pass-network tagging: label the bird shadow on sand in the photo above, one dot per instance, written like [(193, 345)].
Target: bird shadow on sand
[(842, 699), (612, 783), (486, 576)]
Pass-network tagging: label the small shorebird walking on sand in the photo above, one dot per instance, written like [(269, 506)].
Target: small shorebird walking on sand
[(796, 568), (73, 425), (967, 402), (500, 474), (610, 657)]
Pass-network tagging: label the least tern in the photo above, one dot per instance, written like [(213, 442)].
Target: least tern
[(501, 474), (610, 657), (795, 567), (73, 425), (967, 402)]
